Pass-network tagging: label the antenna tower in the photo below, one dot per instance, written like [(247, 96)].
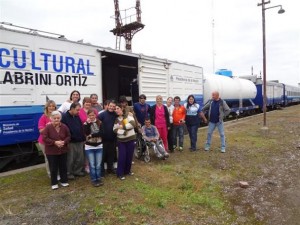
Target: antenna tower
[(126, 25)]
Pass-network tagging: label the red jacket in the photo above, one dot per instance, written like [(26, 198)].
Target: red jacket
[(50, 135), (178, 114)]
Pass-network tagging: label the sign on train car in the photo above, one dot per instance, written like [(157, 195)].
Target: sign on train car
[(35, 68)]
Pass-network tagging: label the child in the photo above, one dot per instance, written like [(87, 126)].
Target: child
[(93, 146), (151, 135)]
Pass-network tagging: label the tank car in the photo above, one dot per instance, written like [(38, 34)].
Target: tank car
[(237, 92)]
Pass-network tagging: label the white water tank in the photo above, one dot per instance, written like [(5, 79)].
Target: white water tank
[(230, 88)]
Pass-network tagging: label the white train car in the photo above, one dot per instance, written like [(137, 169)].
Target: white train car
[(239, 93), (36, 66)]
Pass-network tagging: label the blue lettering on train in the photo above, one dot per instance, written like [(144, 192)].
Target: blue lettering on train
[(44, 62)]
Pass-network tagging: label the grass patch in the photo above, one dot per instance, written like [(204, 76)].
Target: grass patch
[(184, 189)]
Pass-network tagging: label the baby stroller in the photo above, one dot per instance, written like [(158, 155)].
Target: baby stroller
[(143, 148)]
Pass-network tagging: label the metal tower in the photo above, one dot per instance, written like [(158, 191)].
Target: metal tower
[(125, 27)]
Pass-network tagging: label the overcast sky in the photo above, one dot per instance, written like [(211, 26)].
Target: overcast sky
[(180, 30)]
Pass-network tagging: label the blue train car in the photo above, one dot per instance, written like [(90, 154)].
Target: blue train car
[(278, 94), (291, 95)]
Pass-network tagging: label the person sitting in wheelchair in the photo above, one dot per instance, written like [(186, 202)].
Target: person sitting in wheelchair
[(151, 136)]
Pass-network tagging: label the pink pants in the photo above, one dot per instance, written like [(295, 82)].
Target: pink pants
[(163, 133)]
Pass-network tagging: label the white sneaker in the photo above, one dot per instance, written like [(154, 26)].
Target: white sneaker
[(64, 184), (54, 187)]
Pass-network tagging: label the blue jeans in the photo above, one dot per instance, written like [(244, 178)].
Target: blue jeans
[(95, 158), (193, 129), (211, 128), (178, 131)]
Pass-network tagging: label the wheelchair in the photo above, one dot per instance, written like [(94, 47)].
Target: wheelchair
[(141, 151), (143, 148)]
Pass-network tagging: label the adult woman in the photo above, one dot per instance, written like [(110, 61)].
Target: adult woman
[(159, 116), (49, 107), (170, 107), (94, 101), (74, 97), (192, 120), (93, 146), (56, 137), (124, 127), (86, 106)]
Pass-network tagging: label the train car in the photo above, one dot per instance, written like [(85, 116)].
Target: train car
[(278, 94), (239, 93), (291, 95), (275, 94), (36, 66)]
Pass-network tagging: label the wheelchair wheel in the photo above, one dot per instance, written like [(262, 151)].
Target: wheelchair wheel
[(147, 155), (138, 150)]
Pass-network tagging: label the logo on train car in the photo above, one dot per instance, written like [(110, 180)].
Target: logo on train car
[(15, 128), (176, 78), (23, 67)]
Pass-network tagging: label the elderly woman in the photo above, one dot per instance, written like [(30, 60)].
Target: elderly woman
[(50, 106), (160, 117), (56, 137), (124, 127)]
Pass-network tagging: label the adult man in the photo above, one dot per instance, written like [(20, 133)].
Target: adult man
[(75, 161), (141, 109), (217, 111), (108, 118), (128, 109), (179, 114), (150, 134), (124, 103)]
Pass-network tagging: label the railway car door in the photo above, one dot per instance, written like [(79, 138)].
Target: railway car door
[(119, 76)]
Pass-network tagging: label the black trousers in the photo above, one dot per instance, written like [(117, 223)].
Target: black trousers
[(109, 155), (170, 138), (58, 162)]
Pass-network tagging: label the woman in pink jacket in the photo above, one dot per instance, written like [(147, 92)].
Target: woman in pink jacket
[(50, 106)]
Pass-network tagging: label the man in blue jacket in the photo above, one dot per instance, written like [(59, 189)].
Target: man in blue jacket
[(75, 161)]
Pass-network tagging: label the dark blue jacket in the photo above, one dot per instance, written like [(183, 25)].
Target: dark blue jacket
[(75, 126), (108, 120), (141, 112)]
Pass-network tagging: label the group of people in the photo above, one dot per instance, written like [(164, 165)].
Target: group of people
[(80, 138)]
